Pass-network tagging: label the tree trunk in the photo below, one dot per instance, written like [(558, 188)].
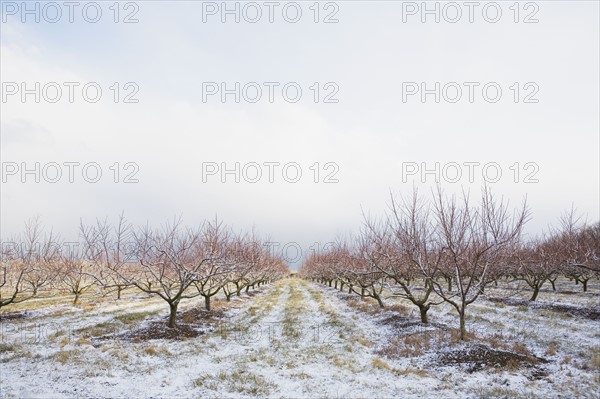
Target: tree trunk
[(228, 296), (379, 301), (207, 302), (536, 291), (335, 284), (349, 289), (172, 314), (362, 292), (449, 280), (341, 285), (76, 298), (553, 285), (584, 285), (423, 309), (119, 289), (463, 329)]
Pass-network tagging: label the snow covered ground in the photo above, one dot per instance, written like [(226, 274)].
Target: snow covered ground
[(300, 339)]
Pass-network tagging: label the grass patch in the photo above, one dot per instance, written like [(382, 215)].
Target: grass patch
[(381, 364), (240, 380), (417, 344), (100, 329), (347, 362), (294, 307), (7, 348), (132, 318), (413, 371), (157, 351), (83, 341), (71, 356)]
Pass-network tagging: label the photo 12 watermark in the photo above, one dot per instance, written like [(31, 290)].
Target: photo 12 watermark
[(253, 12), (271, 92), (269, 172), (69, 172), (69, 92), (54, 12), (469, 92), (452, 12), (470, 172)]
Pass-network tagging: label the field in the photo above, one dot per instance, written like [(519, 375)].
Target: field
[(296, 338)]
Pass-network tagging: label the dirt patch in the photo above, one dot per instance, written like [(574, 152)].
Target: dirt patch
[(476, 357), (561, 292), (201, 316), (159, 330), (397, 320), (406, 325), (14, 316), (190, 324), (575, 311)]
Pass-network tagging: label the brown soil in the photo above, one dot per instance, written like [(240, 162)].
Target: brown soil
[(476, 357), (190, 324), (575, 311), (13, 316)]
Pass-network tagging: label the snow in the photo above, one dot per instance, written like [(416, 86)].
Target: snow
[(293, 339)]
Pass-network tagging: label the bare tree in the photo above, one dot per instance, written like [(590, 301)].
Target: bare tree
[(535, 263), (168, 264), (216, 248), (109, 249), (365, 269), (581, 247), (472, 241), (407, 241), (75, 273), (25, 263)]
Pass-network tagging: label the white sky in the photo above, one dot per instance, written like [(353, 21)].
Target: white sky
[(369, 133)]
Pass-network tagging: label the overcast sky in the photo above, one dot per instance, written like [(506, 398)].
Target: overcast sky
[(366, 61)]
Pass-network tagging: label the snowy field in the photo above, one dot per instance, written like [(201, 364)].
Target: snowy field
[(301, 339)]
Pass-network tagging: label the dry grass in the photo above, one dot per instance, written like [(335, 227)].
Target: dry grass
[(418, 344), (132, 318), (83, 341), (367, 305), (552, 348), (243, 381), (378, 363), (519, 347), (414, 371), (594, 362), (346, 362), (400, 308), (71, 356), (7, 348), (99, 329), (294, 307), (498, 340), (359, 339), (381, 364), (159, 350)]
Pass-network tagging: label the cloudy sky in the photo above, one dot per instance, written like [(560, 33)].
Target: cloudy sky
[(355, 141)]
